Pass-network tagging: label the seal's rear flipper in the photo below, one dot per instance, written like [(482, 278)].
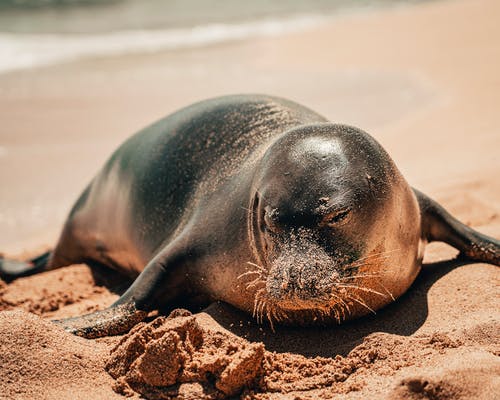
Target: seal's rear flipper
[(13, 269), (439, 225)]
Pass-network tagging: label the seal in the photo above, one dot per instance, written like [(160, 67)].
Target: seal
[(258, 202)]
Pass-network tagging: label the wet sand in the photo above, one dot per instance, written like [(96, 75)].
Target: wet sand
[(423, 80)]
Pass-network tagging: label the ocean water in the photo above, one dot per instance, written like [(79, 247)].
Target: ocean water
[(43, 32)]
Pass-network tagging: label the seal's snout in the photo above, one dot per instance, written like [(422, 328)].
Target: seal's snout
[(301, 283), (302, 273), (295, 282)]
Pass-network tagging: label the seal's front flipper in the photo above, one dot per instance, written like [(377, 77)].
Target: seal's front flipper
[(161, 282), (111, 321), (13, 269), (439, 225)]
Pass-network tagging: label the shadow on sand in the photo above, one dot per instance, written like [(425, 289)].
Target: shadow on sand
[(402, 317)]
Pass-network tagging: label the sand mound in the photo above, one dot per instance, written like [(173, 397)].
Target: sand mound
[(185, 356), (379, 354), (196, 356), (48, 292), (192, 356), (40, 361), (474, 376)]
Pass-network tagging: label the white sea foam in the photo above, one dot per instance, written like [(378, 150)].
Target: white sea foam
[(19, 51)]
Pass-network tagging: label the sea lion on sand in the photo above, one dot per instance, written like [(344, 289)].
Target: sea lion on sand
[(259, 202)]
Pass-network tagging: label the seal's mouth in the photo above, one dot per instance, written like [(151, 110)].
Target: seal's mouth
[(305, 285), (302, 272)]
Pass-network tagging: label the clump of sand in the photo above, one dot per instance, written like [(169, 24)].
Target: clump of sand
[(185, 355), (193, 356)]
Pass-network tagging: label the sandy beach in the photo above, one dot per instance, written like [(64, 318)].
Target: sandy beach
[(422, 79)]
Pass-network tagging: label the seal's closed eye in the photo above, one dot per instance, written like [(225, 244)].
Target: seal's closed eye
[(335, 217)]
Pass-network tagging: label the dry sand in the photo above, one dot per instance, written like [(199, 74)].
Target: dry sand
[(423, 80)]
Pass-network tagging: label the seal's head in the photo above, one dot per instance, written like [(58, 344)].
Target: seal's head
[(335, 226)]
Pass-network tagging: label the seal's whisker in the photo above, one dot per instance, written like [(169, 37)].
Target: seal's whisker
[(361, 261), (272, 311), (388, 292), (335, 313), (347, 278), (248, 273), (276, 315), (258, 311), (258, 304), (323, 312), (254, 283), (343, 304), (361, 302), (343, 308), (259, 315), (279, 315), (262, 310), (380, 254), (340, 300), (260, 267), (282, 315), (255, 303), (365, 289), (340, 313), (269, 318)]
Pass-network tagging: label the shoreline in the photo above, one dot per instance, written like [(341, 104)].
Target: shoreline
[(40, 46)]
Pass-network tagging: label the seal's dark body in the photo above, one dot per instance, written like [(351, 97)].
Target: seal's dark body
[(259, 202)]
